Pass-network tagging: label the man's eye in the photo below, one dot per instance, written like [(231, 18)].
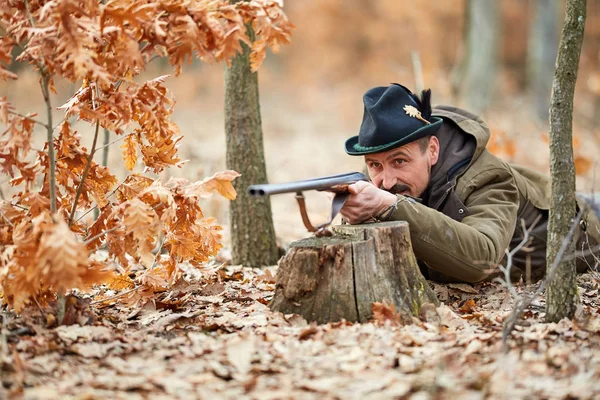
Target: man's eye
[(399, 161), (374, 165)]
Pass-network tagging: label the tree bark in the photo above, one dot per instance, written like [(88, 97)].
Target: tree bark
[(541, 54), (474, 80), (340, 277), (562, 287), (251, 222)]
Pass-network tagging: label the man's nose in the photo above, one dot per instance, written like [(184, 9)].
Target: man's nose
[(389, 181)]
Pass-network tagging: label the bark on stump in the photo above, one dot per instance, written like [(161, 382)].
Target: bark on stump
[(332, 278)]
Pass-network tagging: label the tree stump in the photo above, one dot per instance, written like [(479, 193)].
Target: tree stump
[(332, 278)]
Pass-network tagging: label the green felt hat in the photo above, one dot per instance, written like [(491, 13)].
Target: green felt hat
[(393, 117)]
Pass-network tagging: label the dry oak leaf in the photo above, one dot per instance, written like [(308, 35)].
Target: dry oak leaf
[(221, 182), (120, 282), (383, 312), (6, 45), (161, 198), (129, 147)]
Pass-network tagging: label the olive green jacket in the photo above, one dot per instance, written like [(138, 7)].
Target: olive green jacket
[(465, 231)]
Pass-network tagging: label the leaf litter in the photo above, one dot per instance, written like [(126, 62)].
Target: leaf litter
[(216, 338)]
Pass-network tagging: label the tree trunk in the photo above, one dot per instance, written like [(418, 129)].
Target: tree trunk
[(562, 287), (252, 233), (333, 278), (474, 80), (541, 54)]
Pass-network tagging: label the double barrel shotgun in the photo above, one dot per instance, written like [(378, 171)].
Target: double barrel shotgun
[(337, 184)]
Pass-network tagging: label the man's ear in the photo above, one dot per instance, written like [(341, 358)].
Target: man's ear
[(433, 149)]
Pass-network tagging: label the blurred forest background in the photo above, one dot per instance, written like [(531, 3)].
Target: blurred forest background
[(492, 57)]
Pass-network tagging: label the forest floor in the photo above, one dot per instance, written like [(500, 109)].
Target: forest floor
[(216, 338)]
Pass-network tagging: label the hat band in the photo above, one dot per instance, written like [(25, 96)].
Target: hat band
[(358, 147)]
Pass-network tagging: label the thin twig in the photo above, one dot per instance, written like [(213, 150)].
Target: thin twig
[(61, 306), (87, 165), (32, 21), (6, 218), (85, 174), (105, 147), (118, 227), (26, 117), (509, 256), (109, 144), (116, 296), (156, 256), (20, 206), (96, 206), (45, 85), (40, 307), (524, 302), (3, 336), (101, 234), (50, 138)]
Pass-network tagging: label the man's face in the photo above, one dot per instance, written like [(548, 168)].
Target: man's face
[(405, 169)]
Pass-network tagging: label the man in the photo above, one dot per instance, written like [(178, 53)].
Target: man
[(431, 168)]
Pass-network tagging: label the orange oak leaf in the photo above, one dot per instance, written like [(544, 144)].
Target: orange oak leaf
[(220, 182), (383, 312), (130, 152), (120, 282)]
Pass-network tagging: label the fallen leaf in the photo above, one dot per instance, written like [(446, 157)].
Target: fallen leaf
[(308, 332), (463, 287), (240, 352), (468, 307), (383, 312)]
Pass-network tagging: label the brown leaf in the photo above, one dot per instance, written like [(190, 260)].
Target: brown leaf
[(463, 287), (383, 312), (308, 332), (468, 307)]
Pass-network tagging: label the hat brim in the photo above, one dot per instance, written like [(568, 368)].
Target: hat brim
[(354, 149)]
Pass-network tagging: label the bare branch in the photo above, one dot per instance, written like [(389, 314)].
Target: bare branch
[(116, 296), (87, 165), (45, 84), (509, 256), (85, 174), (525, 301)]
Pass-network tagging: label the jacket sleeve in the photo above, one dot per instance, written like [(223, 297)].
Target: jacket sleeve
[(467, 250)]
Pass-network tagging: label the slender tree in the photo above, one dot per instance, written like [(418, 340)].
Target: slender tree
[(562, 287), (475, 76), (541, 54), (251, 222)]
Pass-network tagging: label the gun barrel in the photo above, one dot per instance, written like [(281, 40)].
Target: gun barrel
[(322, 183)]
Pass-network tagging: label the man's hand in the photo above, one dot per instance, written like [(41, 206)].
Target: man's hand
[(365, 201)]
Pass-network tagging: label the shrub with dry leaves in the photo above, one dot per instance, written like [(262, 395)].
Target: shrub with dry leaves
[(47, 239)]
